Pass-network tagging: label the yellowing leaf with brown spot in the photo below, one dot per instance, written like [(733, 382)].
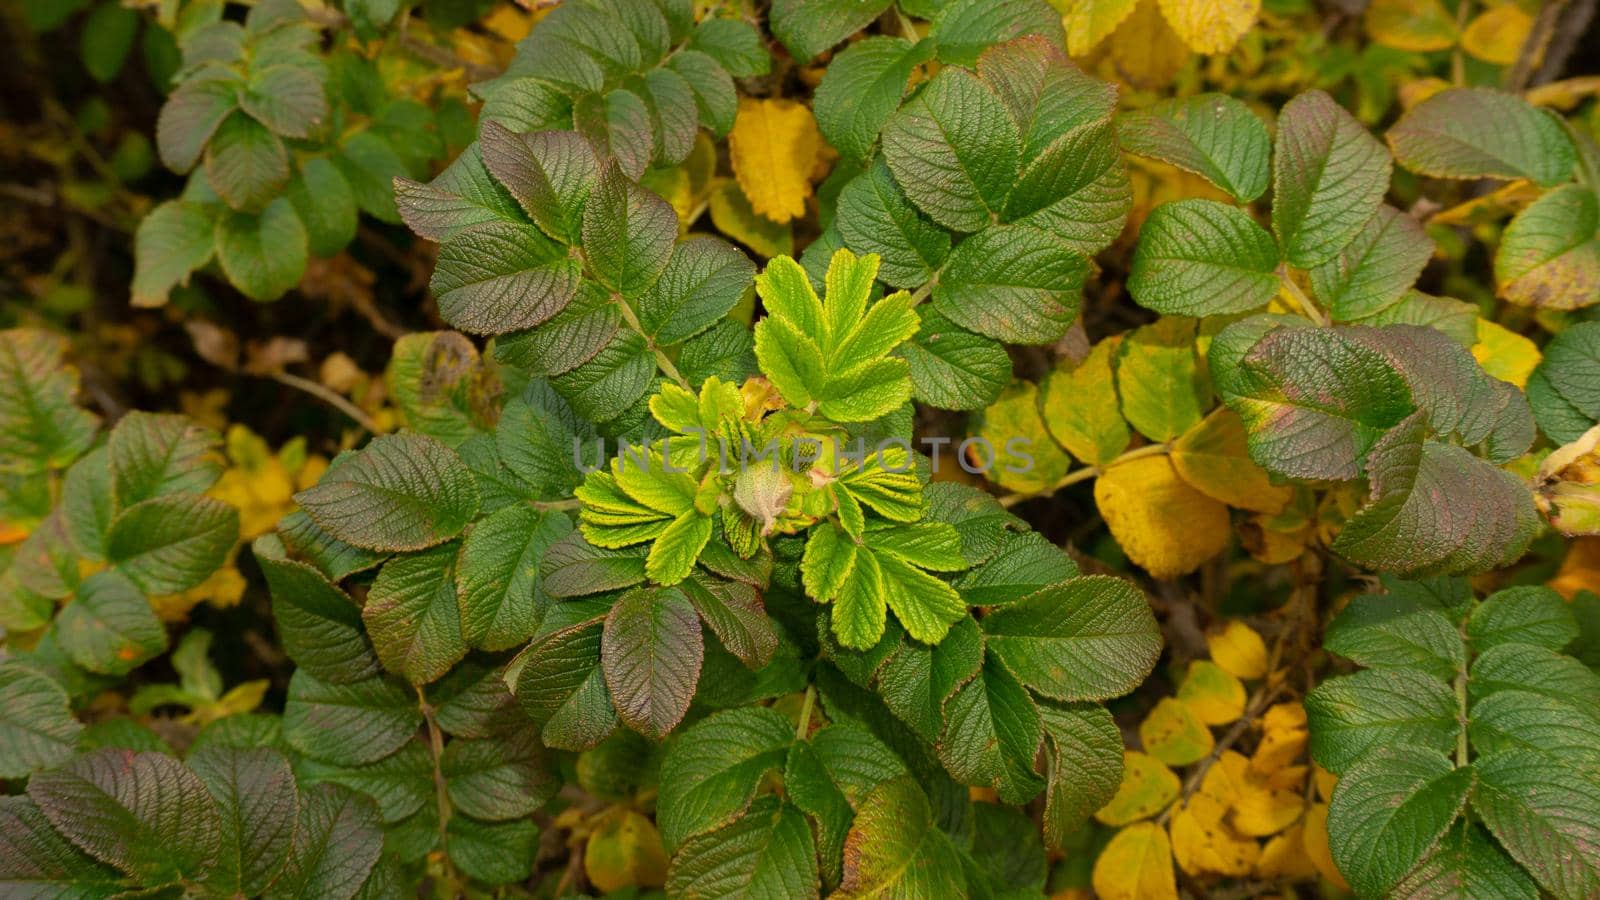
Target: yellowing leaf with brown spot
[(1204, 844), (1505, 354), (1264, 538), (1316, 845), (1145, 50), (774, 147), (1496, 36), (1136, 865), (1416, 26), (1146, 789), (1213, 457), (1260, 809), (1211, 26), (1214, 694), (625, 851), (1237, 648), (1088, 22), (732, 215), (1172, 733), (1162, 523), (1284, 858)]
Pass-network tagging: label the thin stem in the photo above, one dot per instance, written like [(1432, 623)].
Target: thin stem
[(440, 786), (1461, 701), (1085, 473), (557, 505), (921, 293), (1306, 306), (328, 396), (805, 712), (662, 360)]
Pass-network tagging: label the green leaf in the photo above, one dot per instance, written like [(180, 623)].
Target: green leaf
[(246, 164), (874, 216), (1312, 401), (734, 44), (1523, 720), (109, 627), (952, 368), (1390, 811), (1025, 563), (263, 255), (1482, 133), (141, 812), (572, 567), (1527, 614), (560, 685), (319, 623), (1524, 667), (1543, 813), (325, 205), (734, 613), (962, 29), (106, 38), (1163, 390), (192, 115), (1549, 256), (1381, 631), (1466, 864), (705, 278), (1013, 283), (1329, 178), (573, 337), (895, 850), (714, 95), (400, 492), (173, 240), (862, 88), (348, 724), (498, 853), (1080, 407), (1355, 715), (507, 777), (287, 98), (37, 730), (336, 844), (768, 851), (169, 544), (628, 234), (917, 679), (156, 455), (1202, 258), (550, 173), (37, 861), (828, 776), (650, 654), (412, 616), (257, 804), (499, 277), (1376, 269), (1571, 368), (40, 427), (1089, 638), (399, 784), (808, 27), (1212, 135), (1085, 766), (499, 593), (712, 769), (618, 125), (465, 194), (954, 150), (991, 734), (674, 116)]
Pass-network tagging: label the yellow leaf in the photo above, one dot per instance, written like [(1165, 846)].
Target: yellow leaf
[(1213, 457), (1237, 648), (1414, 92), (1146, 789), (1287, 778), (1316, 845), (1259, 810), (1284, 858), (1283, 738), (732, 215), (1324, 781), (1505, 354), (1014, 416), (1264, 540), (773, 147), (1580, 568), (1172, 733), (1088, 22), (1211, 26), (1136, 865), (1147, 53), (1496, 36), (1204, 844), (1215, 694), (1162, 523), (1416, 26), (1080, 408), (625, 851)]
